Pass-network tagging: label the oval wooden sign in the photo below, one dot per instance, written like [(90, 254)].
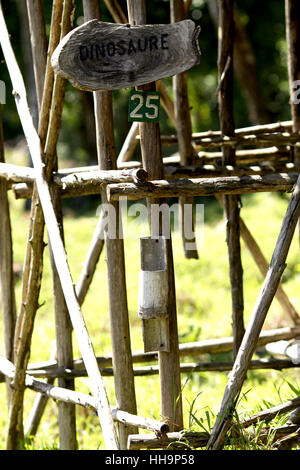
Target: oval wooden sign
[(109, 56)]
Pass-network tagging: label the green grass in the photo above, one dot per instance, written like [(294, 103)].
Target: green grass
[(204, 311)]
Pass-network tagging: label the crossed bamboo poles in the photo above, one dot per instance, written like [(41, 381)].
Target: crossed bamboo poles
[(57, 244)]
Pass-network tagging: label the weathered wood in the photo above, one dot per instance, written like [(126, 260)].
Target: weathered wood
[(185, 368), (203, 186), (292, 11), (7, 281), (69, 396), (267, 293), (118, 307), (99, 56), (184, 133), (32, 268), (231, 203), (170, 383), (38, 44), (210, 346), (173, 440), (271, 413), (59, 253), (185, 440)]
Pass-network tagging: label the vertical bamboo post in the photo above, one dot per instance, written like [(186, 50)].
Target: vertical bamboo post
[(169, 366), (63, 327), (292, 19), (231, 203), (184, 132), (38, 45), (7, 288), (66, 414), (59, 253), (32, 270), (118, 309)]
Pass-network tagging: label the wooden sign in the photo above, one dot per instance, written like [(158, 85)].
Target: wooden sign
[(108, 56)]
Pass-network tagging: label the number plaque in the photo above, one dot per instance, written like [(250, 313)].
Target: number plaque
[(144, 106)]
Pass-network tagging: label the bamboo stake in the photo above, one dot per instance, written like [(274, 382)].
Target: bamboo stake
[(185, 368), (38, 44), (33, 141), (203, 186), (69, 396), (267, 293), (292, 12), (271, 413), (170, 386), (7, 289), (231, 203), (118, 309), (63, 327), (185, 440), (31, 279), (184, 133), (209, 346)]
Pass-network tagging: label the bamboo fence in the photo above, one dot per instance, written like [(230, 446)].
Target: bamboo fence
[(225, 164)]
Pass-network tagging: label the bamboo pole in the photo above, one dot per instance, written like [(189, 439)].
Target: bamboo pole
[(31, 279), (118, 309), (63, 327), (59, 253), (292, 11), (77, 398), (38, 44), (7, 289), (271, 413), (209, 346), (185, 368), (170, 386), (203, 186), (209, 140), (267, 293), (184, 133), (231, 203), (186, 440)]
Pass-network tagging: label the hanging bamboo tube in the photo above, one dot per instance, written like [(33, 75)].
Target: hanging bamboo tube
[(231, 203), (118, 309), (7, 288), (170, 386), (184, 133)]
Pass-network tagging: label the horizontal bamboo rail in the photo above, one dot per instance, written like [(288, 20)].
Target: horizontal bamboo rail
[(185, 368), (209, 346), (203, 186), (187, 439), (88, 183), (82, 399)]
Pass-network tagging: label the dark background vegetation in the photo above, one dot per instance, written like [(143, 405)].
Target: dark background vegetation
[(263, 28)]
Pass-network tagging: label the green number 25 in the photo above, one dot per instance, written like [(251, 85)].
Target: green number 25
[(144, 106)]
